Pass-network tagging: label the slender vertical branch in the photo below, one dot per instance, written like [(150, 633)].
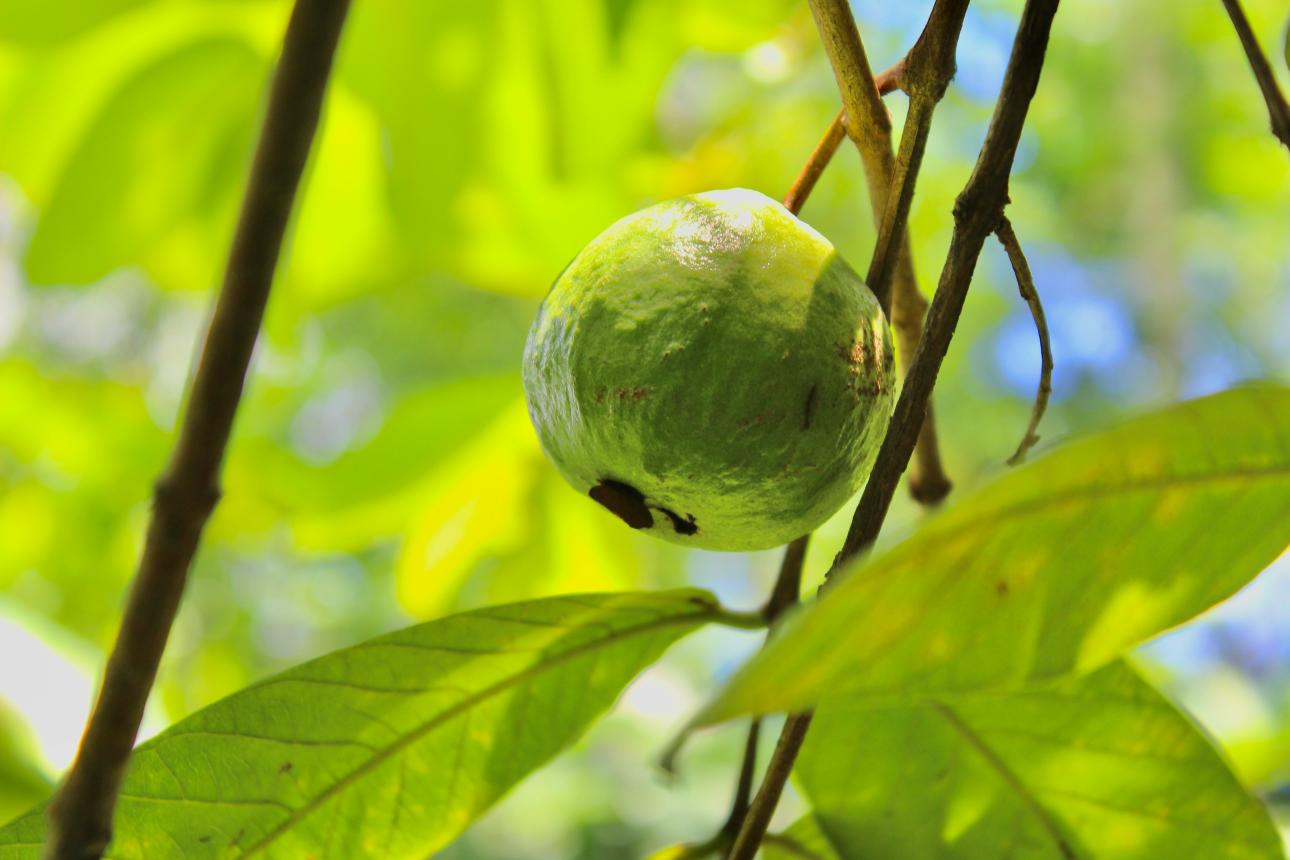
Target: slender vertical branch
[(929, 67), (187, 492), (757, 821), (870, 129), (1278, 108), (977, 213), (1026, 286)]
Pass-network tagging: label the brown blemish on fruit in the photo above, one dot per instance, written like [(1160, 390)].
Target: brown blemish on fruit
[(808, 408), (635, 395), (685, 526), (623, 501), (751, 422), (853, 355)]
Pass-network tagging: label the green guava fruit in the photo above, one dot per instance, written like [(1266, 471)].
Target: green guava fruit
[(712, 372)]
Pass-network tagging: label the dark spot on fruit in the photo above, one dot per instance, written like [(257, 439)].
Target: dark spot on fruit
[(751, 422), (685, 526), (203, 839), (623, 501), (808, 408), (286, 767), (1001, 588), (600, 395)]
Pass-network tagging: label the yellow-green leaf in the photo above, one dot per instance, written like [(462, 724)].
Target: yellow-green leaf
[(1056, 567), (1100, 766)]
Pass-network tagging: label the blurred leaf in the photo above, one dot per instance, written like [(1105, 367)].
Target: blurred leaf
[(1056, 567), (1101, 766), (423, 430), (22, 781), (804, 840), (392, 747), (30, 23), (168, 145), (421, 67), (341, 242)]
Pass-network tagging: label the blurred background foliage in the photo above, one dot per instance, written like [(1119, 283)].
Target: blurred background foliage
[(383, 469)]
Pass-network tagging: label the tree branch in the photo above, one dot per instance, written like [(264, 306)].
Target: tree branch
[(187, 492), (871, 132), (977, 213), (928, 69), (886, 82), (1278, 108), (1026, 286)]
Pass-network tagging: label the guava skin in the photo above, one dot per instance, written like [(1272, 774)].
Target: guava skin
[(711, 371)]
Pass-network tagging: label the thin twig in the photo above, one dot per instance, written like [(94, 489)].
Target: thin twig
[(757, 821), (81, 814), (887, 82), (788, 584), (804, 184), (1026, 286), (784, 596), (744, 786), (870, 128), (976, 214), (1278, 108)]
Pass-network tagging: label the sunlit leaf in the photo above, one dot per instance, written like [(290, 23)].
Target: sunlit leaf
[(392, 747), (126, 184), (1056, 567), (1100, 766)]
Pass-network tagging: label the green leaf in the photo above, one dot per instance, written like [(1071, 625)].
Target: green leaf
[(390, 748), (804, 840), (28, 23), (168, 145), (1057, 567), (1101, 766)]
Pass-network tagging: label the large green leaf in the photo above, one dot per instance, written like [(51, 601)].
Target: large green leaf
[(1057, 567), (392, 747), (1100, 766)]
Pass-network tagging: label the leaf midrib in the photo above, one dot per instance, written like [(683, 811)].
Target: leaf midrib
[(1025, 507), (1028, 799), (384, 753)]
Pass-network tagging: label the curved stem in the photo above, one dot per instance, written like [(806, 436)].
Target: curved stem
[(1026, 286), (81, 814)]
